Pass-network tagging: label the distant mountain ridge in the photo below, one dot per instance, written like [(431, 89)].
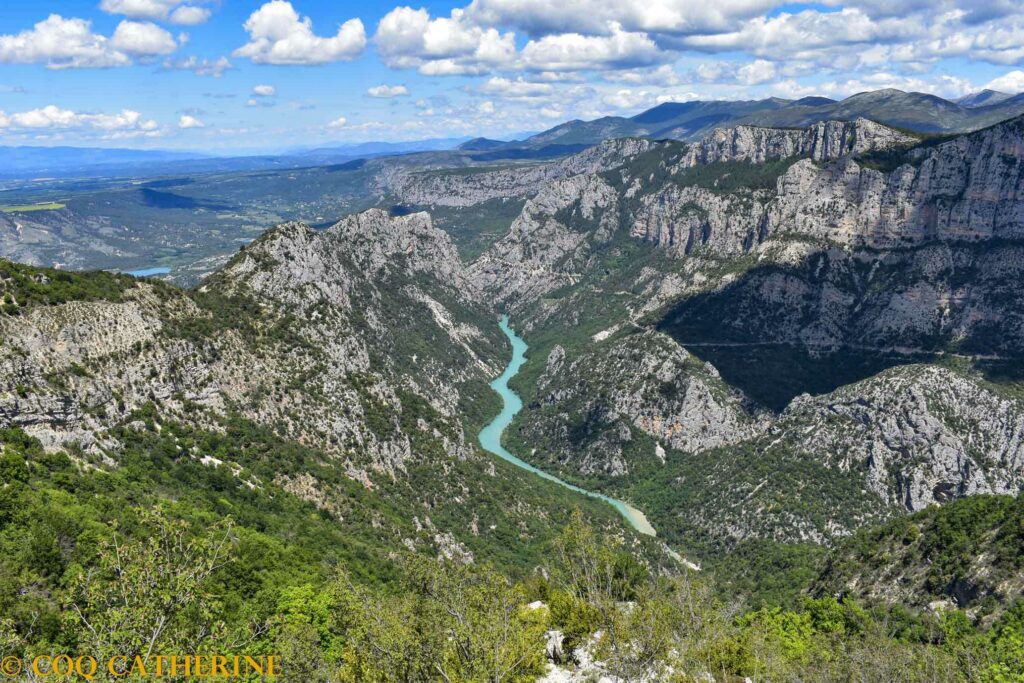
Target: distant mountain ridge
[(983, 97), (690, 121)]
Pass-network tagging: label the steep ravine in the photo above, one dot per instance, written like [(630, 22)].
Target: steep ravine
[(490, 436)]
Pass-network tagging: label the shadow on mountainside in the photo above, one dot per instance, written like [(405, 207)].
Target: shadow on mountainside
[(838, 317)]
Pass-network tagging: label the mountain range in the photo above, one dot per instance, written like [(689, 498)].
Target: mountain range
[(920, 112)]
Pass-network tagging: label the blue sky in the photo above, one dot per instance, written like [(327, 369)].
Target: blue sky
[(233, 75)]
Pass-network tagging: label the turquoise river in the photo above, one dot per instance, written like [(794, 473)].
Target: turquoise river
[(490, 436)]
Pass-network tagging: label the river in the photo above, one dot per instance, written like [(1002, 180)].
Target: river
[(490, 436)]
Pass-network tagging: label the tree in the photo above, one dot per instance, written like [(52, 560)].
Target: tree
[(453, 622), (1006, 648), (149, 595)]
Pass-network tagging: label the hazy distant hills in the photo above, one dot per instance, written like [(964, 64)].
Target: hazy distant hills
[(62, 160), (915, 111), (66, 162), (983, 98), (688, 121), (379, 148)]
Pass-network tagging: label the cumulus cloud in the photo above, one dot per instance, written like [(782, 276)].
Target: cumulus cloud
[(189, 16), (187, 121), (543, 17), (757, 71), (632, 99), (408, 38), (142, 39), (61, 43), (174, 11), (264, 91), (338, 122), (214, 68), (945, 86), (387, 91), (1011, 82), (516, 89), (573, 51), (628, 99), (53, 117), (278, 35), (789, 35), (663, 75)]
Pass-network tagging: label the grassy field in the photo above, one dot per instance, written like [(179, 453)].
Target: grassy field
[(26, 208)]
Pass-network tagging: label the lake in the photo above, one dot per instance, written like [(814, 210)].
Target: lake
[(148, 272)]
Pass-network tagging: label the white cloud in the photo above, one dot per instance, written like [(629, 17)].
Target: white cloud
[(386, 91), (944, 86), (543, 17), (518, 88), (663, 75), (757, 71), (1010, 82), (186, 121), (408, 38), (628, 99), (277, 35), (790, 89), (575, 52), (142, 39), (264, 91), (338, 122), (61, 44), (54, 118), (487, 108), (200, 67), (789, 35), (189, 16), (174, 11)]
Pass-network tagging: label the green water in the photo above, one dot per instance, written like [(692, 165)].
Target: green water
[(490, 436)]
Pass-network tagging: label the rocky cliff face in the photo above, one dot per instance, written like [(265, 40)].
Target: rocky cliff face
[(969, 188), (929, 298), (856, 184), (321, 299), (544, 249), (824, 141), (927, 435), (590, 409), (438, 188)]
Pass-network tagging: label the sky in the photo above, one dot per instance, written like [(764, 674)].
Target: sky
[(226, 76)]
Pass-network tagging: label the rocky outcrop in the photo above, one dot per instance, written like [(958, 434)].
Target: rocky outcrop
[(824, 141), (469, 187), (926, 435), (923, 299), (587, 407), (294, 332), (549, 243), (969, 188)]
